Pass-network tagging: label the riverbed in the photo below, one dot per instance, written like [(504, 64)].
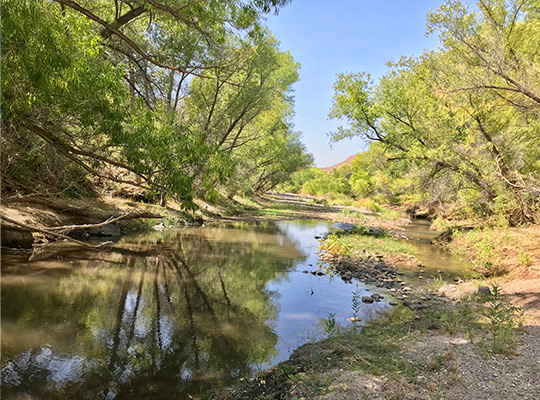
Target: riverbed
[(174, 313)]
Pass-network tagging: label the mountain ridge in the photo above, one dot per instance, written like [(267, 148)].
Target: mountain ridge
[(348, 161)]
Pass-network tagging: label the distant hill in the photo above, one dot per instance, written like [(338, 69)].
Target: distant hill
[(333, 167)]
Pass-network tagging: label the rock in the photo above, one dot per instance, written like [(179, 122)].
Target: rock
[(484, 290), (376, 296), (305, 271), (406, 289), (393, 303), (375, 231), (367, 299), (159, 227), (16, 238), (105, 230), (320, 273)]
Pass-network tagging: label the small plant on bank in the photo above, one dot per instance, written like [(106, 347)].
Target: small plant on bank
[(360, 217), (356, 303), (437, 282), (523, 258), (331, 326), (505, 322)]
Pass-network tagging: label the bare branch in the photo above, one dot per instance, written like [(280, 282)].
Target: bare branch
[(31, 228)]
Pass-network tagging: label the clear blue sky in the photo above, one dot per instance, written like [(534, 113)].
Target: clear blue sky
[(328, 37)]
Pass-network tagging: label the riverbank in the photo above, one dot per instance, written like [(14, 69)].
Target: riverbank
[(454, 343), (423, 355), (438, 348), (42, 212)]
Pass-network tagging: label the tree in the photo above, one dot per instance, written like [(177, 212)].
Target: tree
[(463, 120), (100, 89)]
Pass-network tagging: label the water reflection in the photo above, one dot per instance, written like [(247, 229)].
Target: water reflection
[(165, 315)]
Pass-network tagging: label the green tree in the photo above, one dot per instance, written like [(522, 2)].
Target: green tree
[(100, 89), (465, 129)]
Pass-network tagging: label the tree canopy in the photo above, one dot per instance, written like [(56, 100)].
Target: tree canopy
[(464, 120), (161, 95)]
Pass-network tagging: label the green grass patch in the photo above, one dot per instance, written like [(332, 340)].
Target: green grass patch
[(484, 248), (354, 242)]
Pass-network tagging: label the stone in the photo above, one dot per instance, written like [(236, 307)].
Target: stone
[(159, 227), (376, 296), (367, 299), (484, 290), (16, 238), (393, 303), (305, 271)]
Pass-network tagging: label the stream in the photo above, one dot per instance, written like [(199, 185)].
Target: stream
[(176, 313)]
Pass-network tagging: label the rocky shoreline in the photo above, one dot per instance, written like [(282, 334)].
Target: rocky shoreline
[(373, 270)]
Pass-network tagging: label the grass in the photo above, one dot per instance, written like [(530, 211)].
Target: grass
[(358, 241), (359, 216), (437, 282), (379, 347), (484, 248)]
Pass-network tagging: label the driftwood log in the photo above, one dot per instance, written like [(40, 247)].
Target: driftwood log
[(61, 231)]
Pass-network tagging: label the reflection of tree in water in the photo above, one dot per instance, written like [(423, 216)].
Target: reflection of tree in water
[(191, 317)]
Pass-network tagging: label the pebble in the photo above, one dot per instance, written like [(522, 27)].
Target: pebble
[(367, 299)]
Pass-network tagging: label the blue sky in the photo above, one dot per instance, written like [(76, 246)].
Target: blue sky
[(328, 37)]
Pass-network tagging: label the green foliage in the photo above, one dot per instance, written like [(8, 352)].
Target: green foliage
[(161, 103), (358, 241), (505, 323), (457, 125), (326, 183), (437, 282), (523, 258), (331, 326), (485, 250)]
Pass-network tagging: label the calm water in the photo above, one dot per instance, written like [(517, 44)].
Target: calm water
[(168, 314)]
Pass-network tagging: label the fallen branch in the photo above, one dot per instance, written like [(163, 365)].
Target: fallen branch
[(31, 228), (69, 228)]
